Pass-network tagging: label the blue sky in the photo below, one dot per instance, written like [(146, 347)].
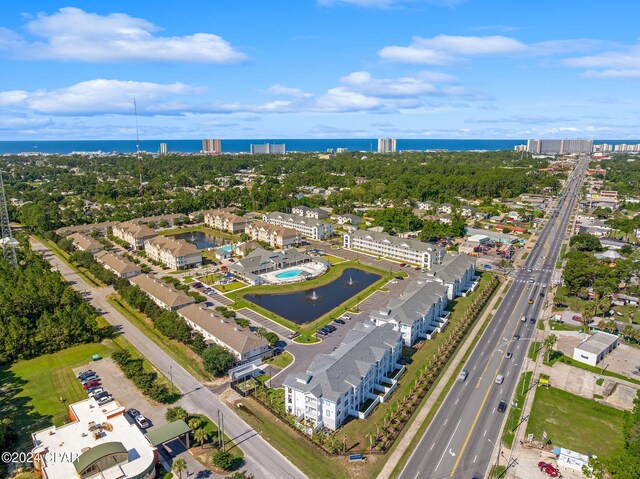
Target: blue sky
[(319, 69)]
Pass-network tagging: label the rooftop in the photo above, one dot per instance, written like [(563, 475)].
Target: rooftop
[(117, 263), (598, 342), (163, 292), (399, 242)]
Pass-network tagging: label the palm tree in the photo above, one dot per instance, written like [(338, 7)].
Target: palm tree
[(178, 466), (201, 435), (549, 342)]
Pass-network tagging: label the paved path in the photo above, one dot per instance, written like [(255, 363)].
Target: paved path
[(261, 458)]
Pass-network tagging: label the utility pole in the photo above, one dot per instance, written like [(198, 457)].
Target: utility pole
[(6, 238)]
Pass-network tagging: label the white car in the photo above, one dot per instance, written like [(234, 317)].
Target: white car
[(95, 391), (142, 421), (499, 379)]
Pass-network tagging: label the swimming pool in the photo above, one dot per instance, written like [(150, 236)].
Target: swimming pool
[(292, 273), (227, 247)]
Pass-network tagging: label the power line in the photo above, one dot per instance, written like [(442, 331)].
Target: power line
[(7, 240)]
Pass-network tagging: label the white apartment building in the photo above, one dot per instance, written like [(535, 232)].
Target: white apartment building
[(337, 385), (224, 221), (277, 236), (216, 329), (133, 233), (456, 273), (175, 253), (386, 145), (307, 212), (402, 249), (309, 227)]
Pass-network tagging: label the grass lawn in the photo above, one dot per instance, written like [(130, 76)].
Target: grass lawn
[(229, 286), (333, 259), (576, 423), (309, 329), (178, 351), (32, 388), (281, 361), (534, 348)]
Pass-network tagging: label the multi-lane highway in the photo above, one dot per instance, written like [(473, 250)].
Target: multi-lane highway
[(462, 437)]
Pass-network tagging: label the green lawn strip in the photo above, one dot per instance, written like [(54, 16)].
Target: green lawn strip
[(574, 422), (306, 339), (497, 471), (281, 361), (86, 276), (171, 347), (313, 462), (438, 402), (516, 412), (593, 369), (534, 348), (32, 388), (524, 256), (556, 326), (201, 228), (310, 328), (333, 259), (229, 287)]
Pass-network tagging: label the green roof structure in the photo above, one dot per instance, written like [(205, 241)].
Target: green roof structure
[(160, 435), (98, 452)]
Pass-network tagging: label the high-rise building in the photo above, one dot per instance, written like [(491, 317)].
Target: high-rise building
[(559, 147), (386, 145), (342, 150), (163, 148), (212, 146), (268, 149)]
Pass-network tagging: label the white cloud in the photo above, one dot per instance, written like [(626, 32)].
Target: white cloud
[(422, 84), (73, 34), (278, 89), (613, 73), (12, 97), (341, 99), (388, 3)]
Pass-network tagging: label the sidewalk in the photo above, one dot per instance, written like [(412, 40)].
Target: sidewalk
[(403, 446)]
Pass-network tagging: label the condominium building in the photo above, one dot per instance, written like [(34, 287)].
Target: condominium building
[(407, 250), (98, 442), (348, 219), (163, 294), (224, 221), (211, 146), (350, 381), (175, 253), (456, 273), (307, 212), (275, 236), (117, 264), (216, 329), (268, 149), (133, 233), (417, 314), (86, 243), (309, 227), (559, 147), (101, 228), (386, 145)]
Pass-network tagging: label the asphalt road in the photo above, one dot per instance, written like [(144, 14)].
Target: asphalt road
[(461, 439), (262, 459)]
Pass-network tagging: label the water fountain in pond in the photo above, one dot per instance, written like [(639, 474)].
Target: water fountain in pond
[(313, 298), (350, 282)]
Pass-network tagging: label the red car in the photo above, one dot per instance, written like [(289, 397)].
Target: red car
[(549, 469), (91, 384)]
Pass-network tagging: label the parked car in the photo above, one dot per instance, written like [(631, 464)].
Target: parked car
[(95, 391), (339, 321), (142, 421), (91, 384), (321, 331), (133, 413), (330, 328), (345, 316), (105, 400), (548, 469), (84, 374), (402, 265), (100, 395), (502, 406)]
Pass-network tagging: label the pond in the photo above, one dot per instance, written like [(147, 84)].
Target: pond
[(302, 307), (200, 239)]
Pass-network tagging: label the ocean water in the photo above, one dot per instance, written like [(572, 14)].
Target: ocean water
[(240, 146)]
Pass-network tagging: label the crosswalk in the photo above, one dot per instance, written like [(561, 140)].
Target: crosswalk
[(536, 283)]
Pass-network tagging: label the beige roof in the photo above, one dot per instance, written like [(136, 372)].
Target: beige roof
[(163, 292), (117, 263), (177, 247), (65, 230), (85, 242), (279, 230), (136, 230), (228, 216), (226, 330)]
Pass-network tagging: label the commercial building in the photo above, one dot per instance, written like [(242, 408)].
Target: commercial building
[(402, 249), (216, 329), (559, 147), (308, 227), (177, 254), (212, 146), (163, 294), (98, 443), (307, 212), (224, 221), (386, 145), (133, 233), (595, 348), (268, 149), (117, 264), (86, 243), (350, 381), (276, 236)]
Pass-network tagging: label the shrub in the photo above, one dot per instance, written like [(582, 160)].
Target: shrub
[(225, 460), (217, 360), (176, 413)]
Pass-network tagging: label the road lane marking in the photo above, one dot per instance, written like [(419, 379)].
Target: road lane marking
[(475, 457), (485, 433), (447, 446), (432, 446), (486, 396)]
